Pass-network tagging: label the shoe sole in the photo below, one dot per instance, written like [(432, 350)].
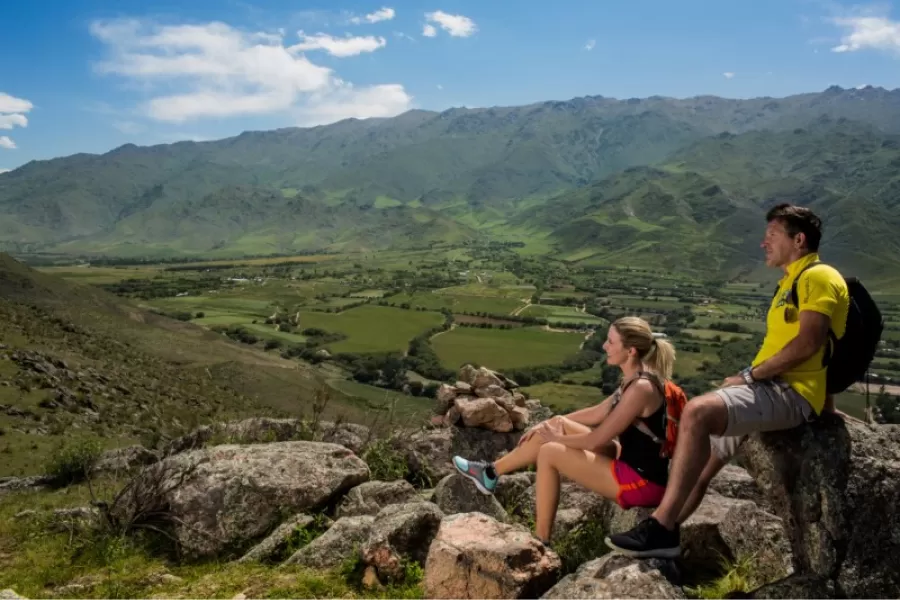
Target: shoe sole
[(656, 553), (478, 485)]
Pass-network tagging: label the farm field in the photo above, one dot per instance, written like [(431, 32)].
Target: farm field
[(372, 328), (504, 349), (461, 303)]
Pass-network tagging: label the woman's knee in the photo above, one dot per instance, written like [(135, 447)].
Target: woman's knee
[(549, 452)]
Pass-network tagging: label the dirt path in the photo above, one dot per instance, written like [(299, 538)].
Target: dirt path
[(587, 336), (452, 327), (517, 311), (875, 388)]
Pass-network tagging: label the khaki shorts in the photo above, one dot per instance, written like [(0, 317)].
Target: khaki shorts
[(763, 406)]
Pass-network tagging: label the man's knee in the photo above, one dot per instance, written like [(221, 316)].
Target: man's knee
[(707, 412)]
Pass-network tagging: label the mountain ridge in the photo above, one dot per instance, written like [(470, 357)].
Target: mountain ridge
[(460, 174)]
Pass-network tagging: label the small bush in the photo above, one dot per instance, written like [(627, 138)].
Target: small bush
[(73, 463), (385, 463)]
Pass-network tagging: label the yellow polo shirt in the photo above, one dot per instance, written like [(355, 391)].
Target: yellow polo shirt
[(822, 289)]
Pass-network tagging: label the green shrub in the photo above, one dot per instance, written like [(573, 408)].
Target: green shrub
[(73, 463)]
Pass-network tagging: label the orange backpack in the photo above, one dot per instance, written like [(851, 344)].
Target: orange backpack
[(675, 399)]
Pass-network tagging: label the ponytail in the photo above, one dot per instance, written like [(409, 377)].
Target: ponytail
[(661, 358)]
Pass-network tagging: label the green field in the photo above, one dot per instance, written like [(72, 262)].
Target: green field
[(565, 398), (372, 328), (561, 314), (504, 349), (493, 305)]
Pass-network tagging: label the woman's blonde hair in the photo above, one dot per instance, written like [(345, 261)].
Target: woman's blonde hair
[(657, 353)]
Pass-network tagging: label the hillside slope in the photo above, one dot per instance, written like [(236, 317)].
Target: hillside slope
[(78, 362), (702, 208)]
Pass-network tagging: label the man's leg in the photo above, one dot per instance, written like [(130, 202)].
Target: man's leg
[(712, 468), (731, 412)]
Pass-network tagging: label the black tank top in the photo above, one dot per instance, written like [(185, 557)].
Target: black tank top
[(639, 450)]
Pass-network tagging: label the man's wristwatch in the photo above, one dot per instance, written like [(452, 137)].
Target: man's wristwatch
[(747, 374)]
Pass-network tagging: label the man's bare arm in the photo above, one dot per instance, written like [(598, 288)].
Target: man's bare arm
[(812, 335)]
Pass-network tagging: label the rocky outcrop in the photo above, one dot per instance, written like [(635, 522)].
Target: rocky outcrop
[(485, 399), (122, 460), (336, 545), (278, 540), (370, 497), (735, 482), (836, 486), (613, 576), (219, 499), (475, 556)]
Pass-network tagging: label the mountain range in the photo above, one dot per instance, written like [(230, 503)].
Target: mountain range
[(681, 182)]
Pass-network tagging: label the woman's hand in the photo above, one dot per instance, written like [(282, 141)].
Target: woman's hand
[(551, 423), (548, 432)]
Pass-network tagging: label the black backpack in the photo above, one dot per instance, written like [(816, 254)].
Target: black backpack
[(848, 358)]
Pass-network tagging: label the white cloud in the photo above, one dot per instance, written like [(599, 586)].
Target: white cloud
[(340, 47), (869, 29), (12, 114), (728, 75), (590, 45), (429, 30), (215, 70), (455, 25), (382, 14)]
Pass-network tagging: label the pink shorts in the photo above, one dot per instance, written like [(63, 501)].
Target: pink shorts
[(634, 490)]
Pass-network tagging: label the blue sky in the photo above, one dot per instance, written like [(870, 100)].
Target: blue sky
[(90, 75)]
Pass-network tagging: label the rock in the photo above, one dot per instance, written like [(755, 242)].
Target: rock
[(735, 482), (519, 399), (793, 586), (475, 556), (265, 430), (452, 417), (615, 576), (226, 496), (277, 541), (18, 484), (538, 412), (577, 505), (428, 451), (484, 377), (493, 391), (511, 492), (159, 579), (484, 413), (836, 486), (444, 398), (122, 460), (731, 528), (336, 545), (467, 374), (456, 494), (370, 578), (370, 497), (519, 417), (400, 531), (73, 519), (10, 594), (463, 388)]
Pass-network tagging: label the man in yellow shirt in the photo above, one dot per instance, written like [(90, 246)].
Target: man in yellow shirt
[(784, 386)]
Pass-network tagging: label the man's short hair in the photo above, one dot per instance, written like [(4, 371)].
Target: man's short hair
[(798, 219)]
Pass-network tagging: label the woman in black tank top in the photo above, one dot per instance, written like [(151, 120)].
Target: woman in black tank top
[(612, 448)]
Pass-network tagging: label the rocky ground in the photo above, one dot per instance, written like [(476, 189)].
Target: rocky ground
[(810, 513)]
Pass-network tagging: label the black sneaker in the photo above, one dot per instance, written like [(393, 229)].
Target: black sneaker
[(648, 539)]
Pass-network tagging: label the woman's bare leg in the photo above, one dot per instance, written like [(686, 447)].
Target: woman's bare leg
[(527, 454), (588, 469)]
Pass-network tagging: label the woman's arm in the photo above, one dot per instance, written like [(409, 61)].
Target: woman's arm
[(592, 415), (636, 399)]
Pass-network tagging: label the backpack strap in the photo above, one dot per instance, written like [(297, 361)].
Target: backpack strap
[(641, 426), (795, 300)]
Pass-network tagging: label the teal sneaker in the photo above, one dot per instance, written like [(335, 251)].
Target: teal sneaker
[(475, 470)]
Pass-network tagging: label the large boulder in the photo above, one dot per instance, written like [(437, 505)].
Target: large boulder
[(428, 451), (371, 496), (836, 486), (475, 556), (732, 529), (400, 531), (340, 543), (735, 482), (615, 576), (456, 494), (217, 500)]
